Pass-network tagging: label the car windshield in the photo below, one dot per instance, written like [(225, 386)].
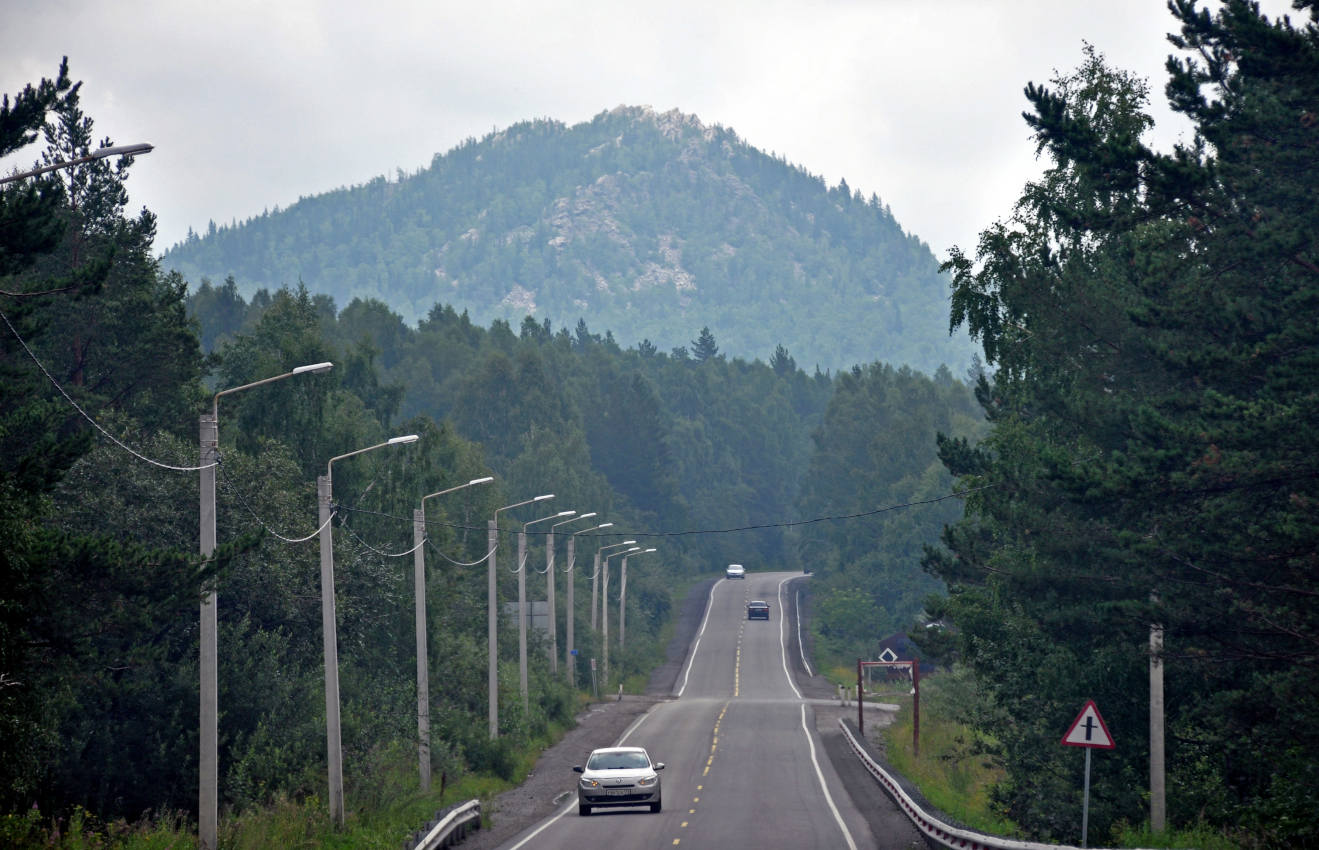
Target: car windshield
[(617, 761)]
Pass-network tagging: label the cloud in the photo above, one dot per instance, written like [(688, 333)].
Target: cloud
[(253, 105)]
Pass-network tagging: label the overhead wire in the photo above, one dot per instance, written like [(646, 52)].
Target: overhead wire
[(233, 491), (682, 533), (697, 531), (85, 415)]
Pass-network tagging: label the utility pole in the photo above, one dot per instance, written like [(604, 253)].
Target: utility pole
[(1158, 800), (208, 814), (492, 630)]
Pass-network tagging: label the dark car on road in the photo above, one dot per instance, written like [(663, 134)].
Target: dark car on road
[(757, 610)]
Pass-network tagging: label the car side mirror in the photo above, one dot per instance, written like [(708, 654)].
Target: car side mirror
[(577, 768), (659, 765)]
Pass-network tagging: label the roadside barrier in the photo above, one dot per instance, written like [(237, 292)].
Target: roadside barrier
[(449, 828), (934, 830)]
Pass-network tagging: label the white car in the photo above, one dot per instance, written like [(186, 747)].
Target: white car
[(735, 571), (618, 776)]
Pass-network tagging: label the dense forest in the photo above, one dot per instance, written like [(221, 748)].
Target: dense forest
[(1135, 457), (107, 362), (1152, 322), (645, 224)]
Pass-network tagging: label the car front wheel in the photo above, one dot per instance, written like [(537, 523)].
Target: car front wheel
[(656, 806), (583, 809)]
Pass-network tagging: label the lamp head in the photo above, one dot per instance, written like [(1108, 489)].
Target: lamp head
[(313, 368)]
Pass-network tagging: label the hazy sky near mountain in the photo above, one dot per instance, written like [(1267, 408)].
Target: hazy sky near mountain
[(254, 104)]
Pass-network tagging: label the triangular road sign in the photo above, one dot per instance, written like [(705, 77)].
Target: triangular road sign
[(1088, 730)]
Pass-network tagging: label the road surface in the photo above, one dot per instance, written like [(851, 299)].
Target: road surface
[(745, 765)]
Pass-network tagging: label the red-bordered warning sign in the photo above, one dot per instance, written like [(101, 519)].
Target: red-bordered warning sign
[(1088, 730)]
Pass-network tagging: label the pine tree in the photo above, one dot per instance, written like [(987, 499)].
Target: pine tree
[(1152, 321), (704, 347)]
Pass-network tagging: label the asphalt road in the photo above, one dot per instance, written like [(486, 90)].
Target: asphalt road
[(746, 765)]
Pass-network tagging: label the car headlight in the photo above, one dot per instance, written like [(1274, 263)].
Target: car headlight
[(648, 781), (590, 783)]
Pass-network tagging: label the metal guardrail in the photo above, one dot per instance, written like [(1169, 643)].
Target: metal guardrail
[(449, 829), (934, 830)]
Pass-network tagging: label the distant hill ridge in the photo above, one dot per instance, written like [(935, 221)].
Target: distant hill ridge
[(651, 225)]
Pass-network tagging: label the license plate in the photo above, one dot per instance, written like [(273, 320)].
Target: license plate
[(617, 792)]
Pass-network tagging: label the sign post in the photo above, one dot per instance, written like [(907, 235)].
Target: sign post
[(914, 667), (1089, 731)]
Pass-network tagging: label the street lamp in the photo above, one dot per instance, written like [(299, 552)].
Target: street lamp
[(329, 637), (595, 576), (423, 663), (604, 607), (492, 622), (570, 662), (208, 781), (522, 602), (622, 595), (119, 150), (549, 589)]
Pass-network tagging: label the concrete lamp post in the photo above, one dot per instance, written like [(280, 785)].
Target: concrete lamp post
[(522, 603), (595, 580), (492, 613), (423, 663), (622, 595), (329, 629), (604, 607), (549, 589), (208, 808), (570, 649)]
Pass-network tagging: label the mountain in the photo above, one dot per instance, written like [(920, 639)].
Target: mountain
[(649, 225)]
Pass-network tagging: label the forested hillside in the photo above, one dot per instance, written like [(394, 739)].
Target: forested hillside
[(641, 223), (106, 363)]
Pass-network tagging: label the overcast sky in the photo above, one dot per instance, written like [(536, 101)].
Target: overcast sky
[(255, 104)]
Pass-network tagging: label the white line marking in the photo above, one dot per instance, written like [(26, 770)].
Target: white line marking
[(633, 727), (800, 647), (573, 804), (709, 602), (783, 647), (825, 788), (546, 825)]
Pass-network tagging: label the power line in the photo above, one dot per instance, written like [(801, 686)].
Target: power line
[(691, 532), (233, 491), (85, 415)]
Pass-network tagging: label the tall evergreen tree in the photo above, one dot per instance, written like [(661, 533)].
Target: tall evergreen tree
[(1152, 320), (704, 347)]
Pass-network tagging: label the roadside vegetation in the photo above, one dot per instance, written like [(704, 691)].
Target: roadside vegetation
[(960, 771)]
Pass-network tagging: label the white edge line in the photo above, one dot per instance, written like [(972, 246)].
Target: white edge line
[(691, 659), (801, 648), (783, 647), (823, 787), (568, 807)]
